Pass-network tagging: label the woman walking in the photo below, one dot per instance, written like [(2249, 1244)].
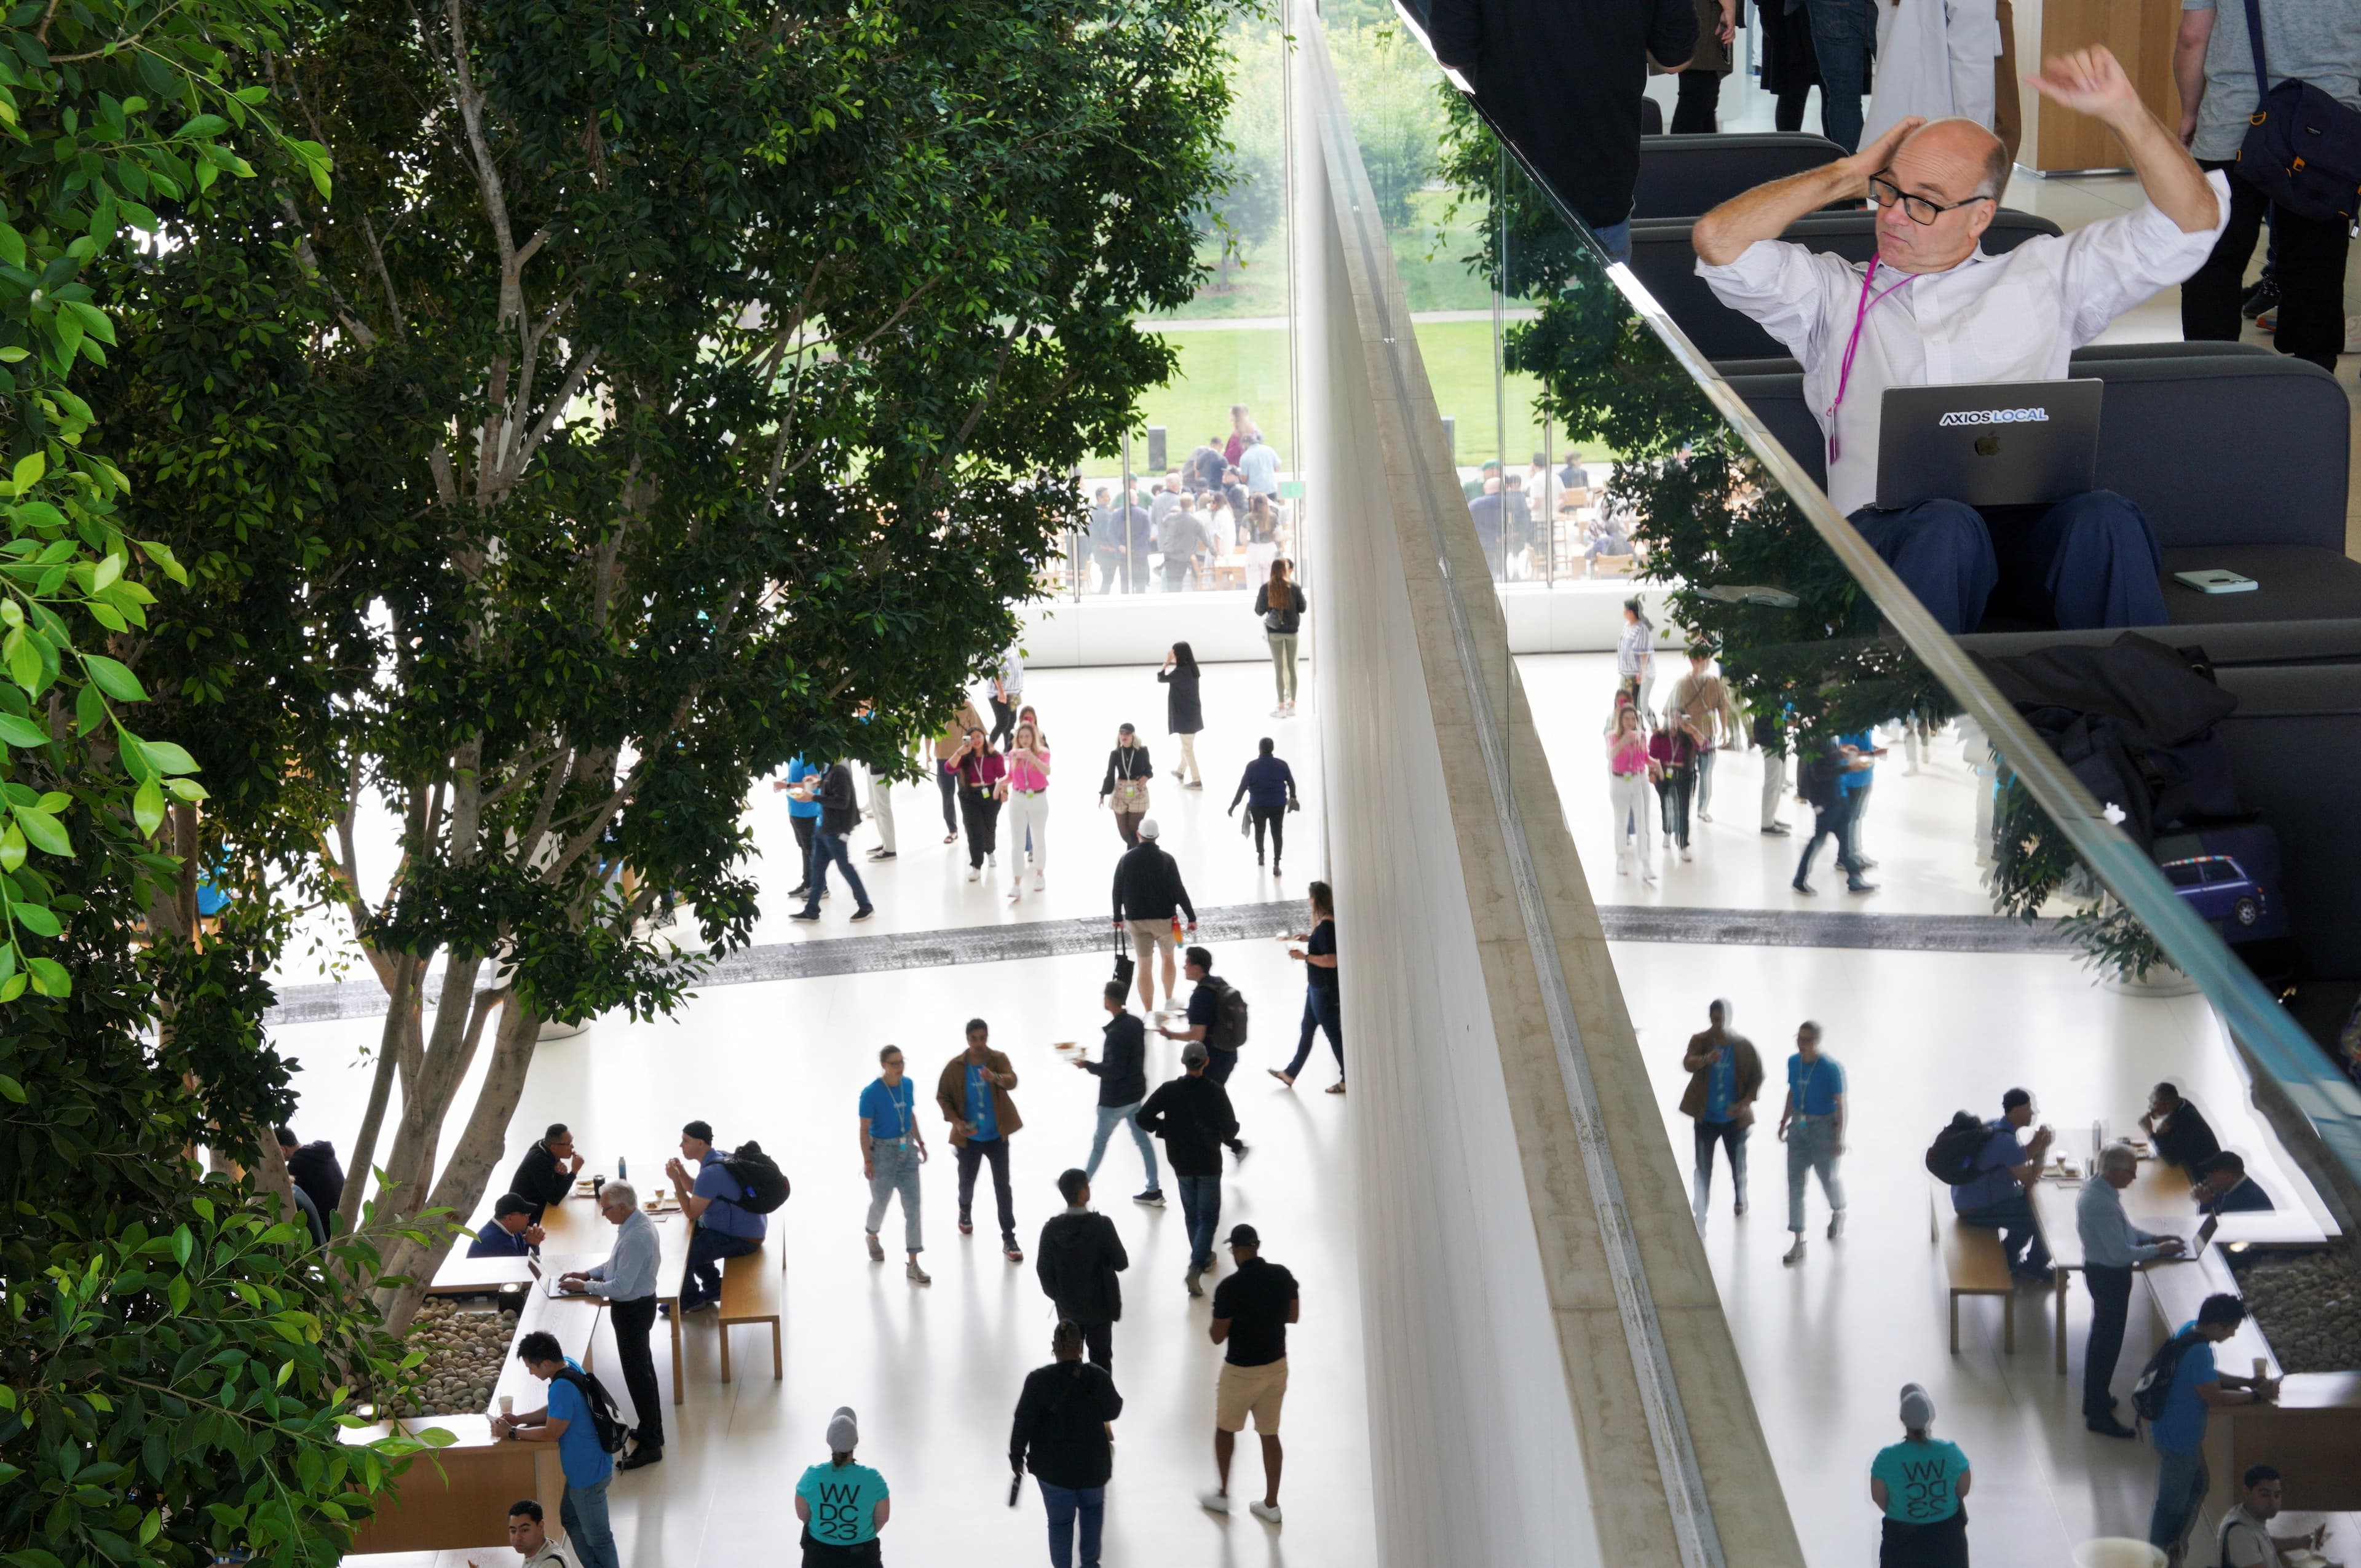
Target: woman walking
[(981, 772), (1321, 996), (1060, 1434), (842, 1504), (1921, 1485), (1267, 786), (1184, 710), (948, 746), (1635, 665), (1673, 750), (1125, 786), (1281, 606), (1628, 770), (1026, 790)]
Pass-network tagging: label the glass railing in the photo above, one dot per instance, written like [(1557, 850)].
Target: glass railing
[(2205, 864)]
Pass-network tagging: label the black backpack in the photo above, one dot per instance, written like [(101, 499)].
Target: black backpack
[(2156, 1379), (605, 1420), (1951, 1157), (1227, 1032), (762, 1184)]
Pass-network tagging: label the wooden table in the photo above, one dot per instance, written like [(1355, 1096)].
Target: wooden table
[(458, 1498), (461, 1276)]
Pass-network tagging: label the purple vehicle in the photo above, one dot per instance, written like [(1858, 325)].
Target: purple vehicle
[(2218, 888)]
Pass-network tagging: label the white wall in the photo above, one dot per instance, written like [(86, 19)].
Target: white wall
[(1136, 629)]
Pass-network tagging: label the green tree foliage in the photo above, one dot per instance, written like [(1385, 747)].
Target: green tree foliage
[(1389, 84), (714, 366)]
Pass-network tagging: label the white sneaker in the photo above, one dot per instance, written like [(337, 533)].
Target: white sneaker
[(1015, 892), (1038, 883), (1647, 876), (1213, 1502), (1267, 1512), (1795, 1253), (1686, 856), (1668, 840), (1705, 817), (1279, 712), (974, 874), (991, 858)]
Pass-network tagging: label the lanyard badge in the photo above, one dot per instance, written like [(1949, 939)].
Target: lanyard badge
[(1853, 346)]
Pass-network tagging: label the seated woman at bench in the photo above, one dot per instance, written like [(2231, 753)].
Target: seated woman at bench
[(1948, 313)]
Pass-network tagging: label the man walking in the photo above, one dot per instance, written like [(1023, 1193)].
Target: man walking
[(892, 1150), (1820, 779), (724, 1228), (627, 1280), (1996, 1197), (1724, 1075), (2111, 1247), (973, 1095), (1700, 697), (1078, 1260), (1061, 1434), (1008, 695), (1147, 894), (1122, 1072), (1812, 1127), (567, 1421), (1216, 1020), (839, 814), (1191, 1114), (1251, 1311)]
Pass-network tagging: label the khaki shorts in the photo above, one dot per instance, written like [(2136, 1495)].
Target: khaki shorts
[(1148, 936), (1257, 1391)]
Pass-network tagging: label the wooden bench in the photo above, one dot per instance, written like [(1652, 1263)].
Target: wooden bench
[(1973, 1265), (752, 1287)]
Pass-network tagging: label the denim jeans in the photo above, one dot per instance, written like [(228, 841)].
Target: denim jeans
[(1322, 1010), (1731, 1135), (587, 1533), (2180, 1483), (895, 1161), (1811, 1147), (1615, 239), (1111, 1117), (705, 1251), (1200, 1211), (973, 1154), (1068, 1505), (827, 846), (1841, 31), (2020, 1234)]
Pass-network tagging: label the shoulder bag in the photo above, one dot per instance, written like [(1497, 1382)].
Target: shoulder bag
[(2303, 146)]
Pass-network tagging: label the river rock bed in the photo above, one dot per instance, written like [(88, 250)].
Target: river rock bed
[(2308, 1305), (464, 1354)]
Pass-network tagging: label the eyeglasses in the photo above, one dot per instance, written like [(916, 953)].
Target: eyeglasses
[(1917, 209)]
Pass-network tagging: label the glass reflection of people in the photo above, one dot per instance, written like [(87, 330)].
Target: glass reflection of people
[(1933, 307)]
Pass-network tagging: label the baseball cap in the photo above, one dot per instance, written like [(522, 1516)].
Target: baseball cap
[(1147, 829), (1245, 1235), (843, 1431), (1193, 1054)]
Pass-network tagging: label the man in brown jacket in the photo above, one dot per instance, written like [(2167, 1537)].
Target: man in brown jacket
[(1724, 1075), (974, 1095), (1700, 697)]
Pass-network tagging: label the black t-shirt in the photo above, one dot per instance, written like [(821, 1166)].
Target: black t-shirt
[(1254, 1300), (1322, 944)]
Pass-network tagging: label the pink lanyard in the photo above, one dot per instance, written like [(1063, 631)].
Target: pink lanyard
[(1844, 374)]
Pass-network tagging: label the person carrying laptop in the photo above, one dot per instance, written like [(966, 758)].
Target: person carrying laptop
[(1931, 308)]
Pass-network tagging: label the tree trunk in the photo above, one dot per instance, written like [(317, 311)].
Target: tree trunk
[(404, 1017), (478, 1151), (427, 1095)]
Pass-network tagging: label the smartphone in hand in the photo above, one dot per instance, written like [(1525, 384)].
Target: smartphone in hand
[(1015, 1486)]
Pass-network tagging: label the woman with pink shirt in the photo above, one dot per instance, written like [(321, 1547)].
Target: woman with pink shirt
[(1627, 772), (981, 771), (1026, 790)]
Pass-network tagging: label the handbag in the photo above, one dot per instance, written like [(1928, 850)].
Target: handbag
[(1124, 964), (2303, 146)]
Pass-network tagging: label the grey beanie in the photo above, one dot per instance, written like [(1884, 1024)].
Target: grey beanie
[(843, 1431), (1918, 1410)]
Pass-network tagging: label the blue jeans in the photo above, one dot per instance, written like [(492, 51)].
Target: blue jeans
[(2020, 1234), (1110, 1117), (2180, 1483), (1067, 1505), (827, 846), (1200, 1211), (1615, 240), (895, 1161), (587, 1533), (1811, 1147), (705, 1251), (2090, 560), (1322, 1010), (1841, 31)]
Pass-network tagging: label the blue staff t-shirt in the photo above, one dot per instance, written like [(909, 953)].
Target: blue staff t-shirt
[(1922, 1479), (2182, 1428), (578, 1453), (797, 772), (1720, 1086), (888, 1110), (843, 1502), (982, 1115), (1815, 1085)]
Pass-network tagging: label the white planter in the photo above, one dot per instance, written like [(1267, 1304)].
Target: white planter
[(2161, 980)]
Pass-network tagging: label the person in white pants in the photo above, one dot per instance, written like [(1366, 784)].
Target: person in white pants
[(1027, 789), (1767, 735), (1628, 793)]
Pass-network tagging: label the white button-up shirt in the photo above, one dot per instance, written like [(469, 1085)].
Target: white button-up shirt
[(629, 1272), (1992, 318), (2109, 1239)]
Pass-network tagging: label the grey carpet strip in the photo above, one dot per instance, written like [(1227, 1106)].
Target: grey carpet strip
[(1250, 922)]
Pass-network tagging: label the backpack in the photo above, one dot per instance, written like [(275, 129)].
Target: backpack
[(763, 1185), (605, 1420), (1227, 1032), (1951, 1157), (2156, 1379)]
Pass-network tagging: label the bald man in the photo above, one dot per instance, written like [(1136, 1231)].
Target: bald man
[(1932, 308)]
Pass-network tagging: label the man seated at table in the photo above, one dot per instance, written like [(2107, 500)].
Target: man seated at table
[(510, 1232), (2181, 1134), (2224, 1188), (1931, 308), (1996, 1197)]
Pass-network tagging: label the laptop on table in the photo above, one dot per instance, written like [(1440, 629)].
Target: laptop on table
[(1993, 444)]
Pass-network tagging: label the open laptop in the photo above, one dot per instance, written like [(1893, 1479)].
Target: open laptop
[(2192, 1242), (1991, 444)]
